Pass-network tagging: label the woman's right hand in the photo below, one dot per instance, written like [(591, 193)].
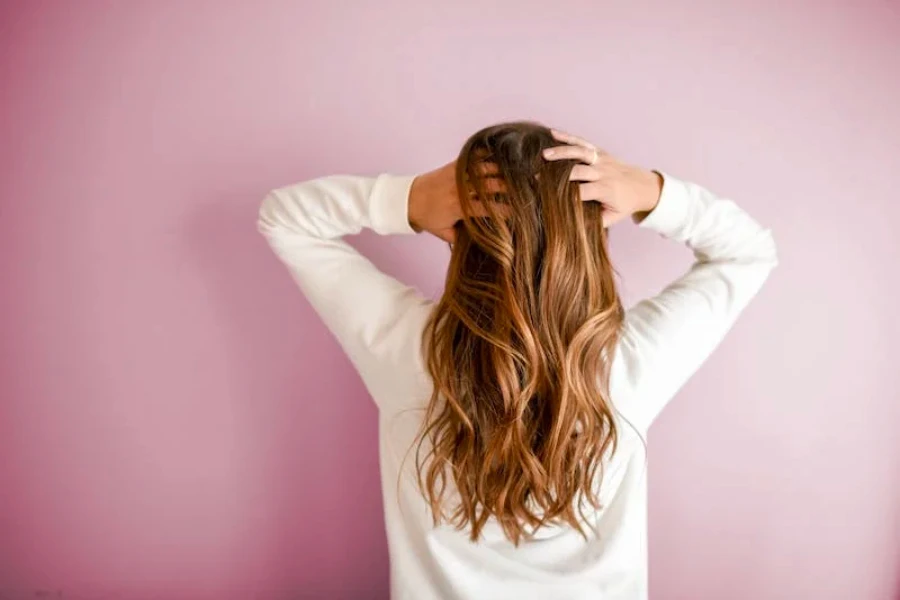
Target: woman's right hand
[(434, 204), (623, 190)]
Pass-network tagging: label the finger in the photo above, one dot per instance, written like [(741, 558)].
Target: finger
[(494, 185), (448, 235), (595, 191), (483, 171), (570, 152), (486, 187), (611, 217), (584, 173), (571, 139), (478, 208), (486, 168)]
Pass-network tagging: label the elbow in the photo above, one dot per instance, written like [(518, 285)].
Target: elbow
[(760, 255), (267, 218), (771, 250), (765, 256)]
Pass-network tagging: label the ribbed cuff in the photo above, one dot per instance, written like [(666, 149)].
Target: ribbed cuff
[(671, 211), (389, 208)]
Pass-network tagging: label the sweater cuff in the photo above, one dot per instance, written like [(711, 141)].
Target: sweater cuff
[(389, 204), (671, 211)]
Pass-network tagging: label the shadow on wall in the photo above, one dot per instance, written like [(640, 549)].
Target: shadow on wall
[(307, 428)]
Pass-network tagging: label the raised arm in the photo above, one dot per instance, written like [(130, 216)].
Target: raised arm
[(667, 337), (375, 318)]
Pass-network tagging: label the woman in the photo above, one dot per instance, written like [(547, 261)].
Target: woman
[(526, 391)]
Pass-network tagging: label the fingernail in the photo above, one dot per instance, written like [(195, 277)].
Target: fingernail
[(548, 152)]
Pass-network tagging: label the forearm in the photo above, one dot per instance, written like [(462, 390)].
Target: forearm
[(334, 206), (667, 337)]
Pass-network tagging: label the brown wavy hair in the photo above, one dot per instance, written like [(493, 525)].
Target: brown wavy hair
[(518, 345)]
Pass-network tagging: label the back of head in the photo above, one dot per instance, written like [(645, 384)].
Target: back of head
[(518, 345)]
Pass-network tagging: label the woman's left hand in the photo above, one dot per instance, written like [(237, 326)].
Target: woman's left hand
[(623, 190)]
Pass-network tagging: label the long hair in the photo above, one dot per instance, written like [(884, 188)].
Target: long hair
[(518, 346)]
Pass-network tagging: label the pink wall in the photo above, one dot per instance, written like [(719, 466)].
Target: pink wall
[(176, 421)]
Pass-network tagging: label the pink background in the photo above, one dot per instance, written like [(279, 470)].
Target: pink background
[(175, 422)]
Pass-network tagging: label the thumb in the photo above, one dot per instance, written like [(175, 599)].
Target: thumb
[(448, 235), (611, 216)]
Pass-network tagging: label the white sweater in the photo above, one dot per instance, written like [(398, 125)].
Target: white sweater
[(378, 321)]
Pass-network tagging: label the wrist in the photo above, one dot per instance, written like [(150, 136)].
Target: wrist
[(654, 190), (650, 193), (414, 203)]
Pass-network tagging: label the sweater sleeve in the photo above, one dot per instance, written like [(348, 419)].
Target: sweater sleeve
[(376, 319), (667, 337)]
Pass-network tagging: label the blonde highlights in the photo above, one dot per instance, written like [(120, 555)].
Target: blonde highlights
[(518, 345)]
